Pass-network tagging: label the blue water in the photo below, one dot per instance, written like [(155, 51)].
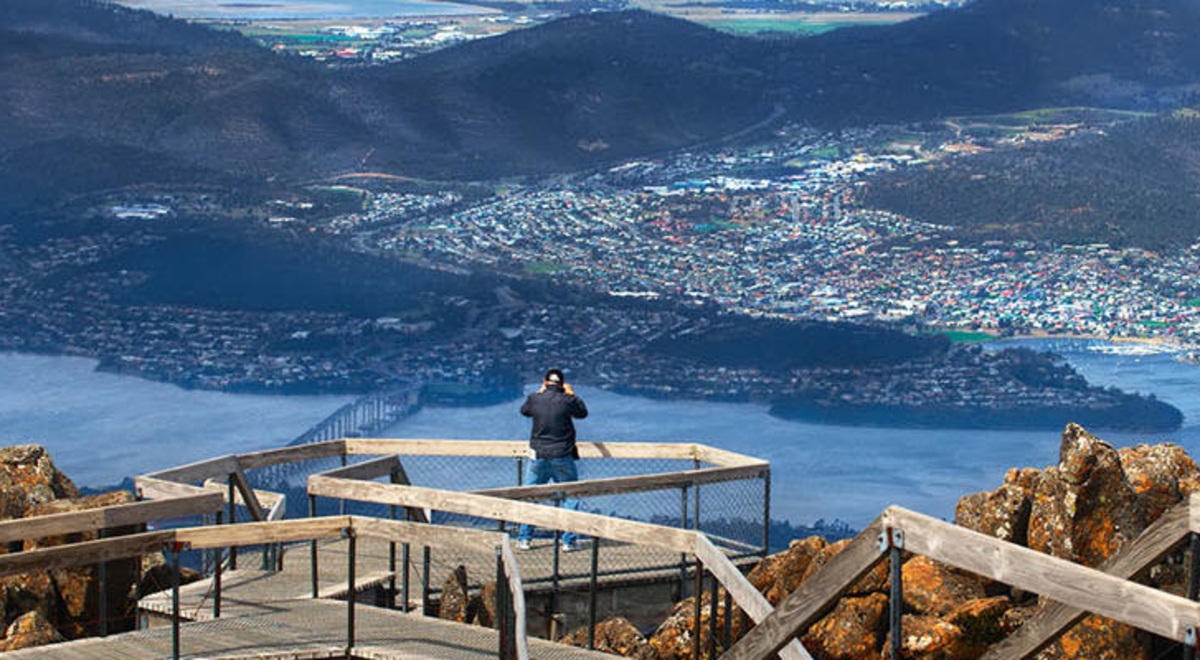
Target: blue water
[(102, 427), (300, 9), (851, 473)]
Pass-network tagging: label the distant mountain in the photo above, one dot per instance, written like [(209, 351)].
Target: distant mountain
[(999, 55), (1136, 185), (124, 89)]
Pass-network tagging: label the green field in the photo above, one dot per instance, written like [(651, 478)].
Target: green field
[(1194, 303), (964, 336), (743, 26)]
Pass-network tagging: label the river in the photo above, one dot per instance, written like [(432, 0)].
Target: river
[(101, 427)]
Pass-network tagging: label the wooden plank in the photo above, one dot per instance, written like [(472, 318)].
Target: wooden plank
[(88, 552), (1057, 579), (744, 594), (376, 467), (812, 599), (400, 476), (213, 468), (266, 498), (623, 485), (258, 533), (294, 454), (726, 458), (437, 536), (278, 509), (360, 582), (586, 524), (117, 515), (1150, 548), (515, 448), (424, 447), (150, 488), (516, 588), (242, 484)]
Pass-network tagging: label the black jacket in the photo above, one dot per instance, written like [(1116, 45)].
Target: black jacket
[(553, 432)]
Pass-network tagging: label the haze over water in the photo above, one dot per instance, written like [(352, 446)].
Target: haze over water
[(102, 427)]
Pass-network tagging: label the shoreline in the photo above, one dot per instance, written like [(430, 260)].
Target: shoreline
[(1173, 344)]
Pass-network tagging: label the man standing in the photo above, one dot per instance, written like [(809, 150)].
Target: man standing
[(552, 441)]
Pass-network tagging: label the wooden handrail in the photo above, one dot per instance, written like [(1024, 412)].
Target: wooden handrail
[(117, 515), (1158, 541), (377, 467), (743, 592), (812, 599), (482, 506), (623, 485), (1089, 589)]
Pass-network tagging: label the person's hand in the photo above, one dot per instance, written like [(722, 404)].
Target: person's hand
[(542, 388), (568, 389)]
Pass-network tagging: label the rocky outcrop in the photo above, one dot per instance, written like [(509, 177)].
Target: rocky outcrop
[(1084, 509), (28, 630), (28, 478), (616, 635), (43, 606), (456, 600)]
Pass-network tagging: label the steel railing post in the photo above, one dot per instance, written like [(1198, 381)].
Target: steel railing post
[(351, 556), (1193, 586), (175, 651), (592, 588), (697, 591), (312, 548), (232, 520), (766, 531)]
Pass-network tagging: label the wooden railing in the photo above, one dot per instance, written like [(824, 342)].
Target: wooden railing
[(513, 641), (1077, 590)]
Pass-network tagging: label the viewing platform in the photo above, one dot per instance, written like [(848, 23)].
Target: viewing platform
[(383, 566)]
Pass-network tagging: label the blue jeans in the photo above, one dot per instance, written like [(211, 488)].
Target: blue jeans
[(545, 470)]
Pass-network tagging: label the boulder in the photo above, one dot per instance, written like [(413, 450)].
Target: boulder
[(28, 477), (672, 640), (29, 630), (617, 636), (483, 606), (1084, 509), (1002, 513), (156, 576), (779, 574), (1161, 475), (852, 631), (1097, 638), (982, 623), (936, 589), (927, 638), (875, 580), (456, 601)]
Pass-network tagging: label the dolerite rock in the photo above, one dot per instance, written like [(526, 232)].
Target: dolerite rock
[(778, 575), (673, 638), (29, 630), (1097, 638), (483, 606), (852, 631), (617, 636), (456, 601), (28, 477), (875, 580), (982, 622), (927, 638), (1002, 513), (936, 589), (1084, 509), (1161, 475)]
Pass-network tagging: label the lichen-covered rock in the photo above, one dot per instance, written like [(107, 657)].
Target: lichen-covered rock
[(852, 631), (873, 581), (28, 477), (1084, 509), (455, 602), (156, 576), (982, 623), (483, 607), (936, 589), (1161, 475), (29, 630), (1097, 638), (617, 636), (1002, 513), (779, 574), (926, 638), (673, 638)]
